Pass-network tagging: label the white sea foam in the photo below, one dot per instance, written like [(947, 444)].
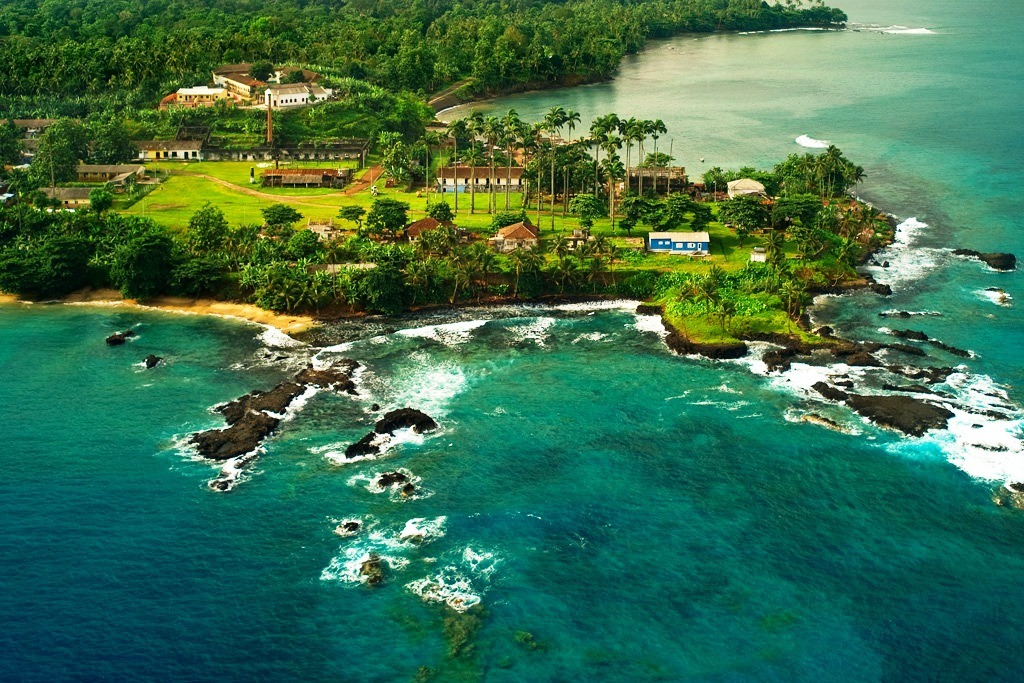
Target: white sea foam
[(998, 297), (348, 567), (896, 29), (808, 141), (907, 265), (590, 336), (421, 530), (449, 334), (650, 323), (593, 306), (233, 472), (275, 338), (536, 330), (430, 385), (447, 588)]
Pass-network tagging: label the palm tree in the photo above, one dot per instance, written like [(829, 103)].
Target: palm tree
[(523, 261), (657, 129), (599, 130), (457, 129), (492, 131), (430, 139), (553, 122), (473, 158), (613, 169), (512, 132), (570, 121), (629, 130)]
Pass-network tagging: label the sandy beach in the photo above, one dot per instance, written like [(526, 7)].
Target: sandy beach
[(289, 324)]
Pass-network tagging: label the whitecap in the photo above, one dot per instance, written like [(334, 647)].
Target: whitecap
[(421, 530), (449, 334), (448, 587), (536, 330), (996, 296), (650, 323), (808, 141)]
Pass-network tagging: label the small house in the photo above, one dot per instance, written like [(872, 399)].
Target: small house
[(191, 98), (459, 178), (173, 150), (522, 235), (306, 177), (109, 173), (692, 243), (69, 197), (324, 230), (745, 186), (416, 229), (758, 255), (294, 95), (236, 80)]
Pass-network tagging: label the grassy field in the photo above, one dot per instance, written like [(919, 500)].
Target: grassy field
[(226, 185)]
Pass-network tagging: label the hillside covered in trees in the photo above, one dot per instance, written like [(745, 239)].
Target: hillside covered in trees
[(70, 57)]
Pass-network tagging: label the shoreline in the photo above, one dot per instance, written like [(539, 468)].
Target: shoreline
[(286, 323)]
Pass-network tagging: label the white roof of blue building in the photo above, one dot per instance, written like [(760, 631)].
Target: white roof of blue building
[(681, 236)]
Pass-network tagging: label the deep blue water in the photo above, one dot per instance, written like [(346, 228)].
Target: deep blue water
[(620, 513)]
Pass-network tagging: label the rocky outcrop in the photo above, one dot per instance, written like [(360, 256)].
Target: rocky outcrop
[(255, 416), (685, 347), (151, 361), (862, 359), (950, 349), (365, 446), (243, 436), (914, 335), (338, 377), (908, 415), (404, 418), (373, 569), (1010, 495), (390, 479), (929, 375), (907, 349), (830, 392), (881, 289), (648, 309), (119, 338), (994, 260)]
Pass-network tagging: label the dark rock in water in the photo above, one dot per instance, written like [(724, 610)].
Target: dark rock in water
[(405, 417), (275, 400), (863, 359), (243, 436), (825, 331), (337, 377), (119, 338), (683, 346), (373, 570), (830, 392), (909, 334), (950, 349), (844, 383), (885, 264), (350, 526), (779, 359), (908, 415), (882, 289), (648, 309), (996, 261), (907, 349), (931, 375), (408, 490), (152, 361), (911, 388), (364, 446), (219, 484), (1010, 495), (895, 314), (390, 479), (375, 407)]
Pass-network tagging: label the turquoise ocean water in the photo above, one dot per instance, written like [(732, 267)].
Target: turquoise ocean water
[(618, 512)]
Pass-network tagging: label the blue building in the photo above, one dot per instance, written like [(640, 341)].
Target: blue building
[(692, 243)]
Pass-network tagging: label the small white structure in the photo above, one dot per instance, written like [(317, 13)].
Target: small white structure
[(295, 95), (691, 243), (459, 178), (758, 255), (746, 186)]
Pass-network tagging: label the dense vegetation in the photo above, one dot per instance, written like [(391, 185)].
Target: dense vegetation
[(76, 56)]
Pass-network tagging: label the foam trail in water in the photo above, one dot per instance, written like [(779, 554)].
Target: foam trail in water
[(449, 334), (809, 142)]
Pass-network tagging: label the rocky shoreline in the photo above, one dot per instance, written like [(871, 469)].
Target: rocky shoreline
[(254, 417)]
